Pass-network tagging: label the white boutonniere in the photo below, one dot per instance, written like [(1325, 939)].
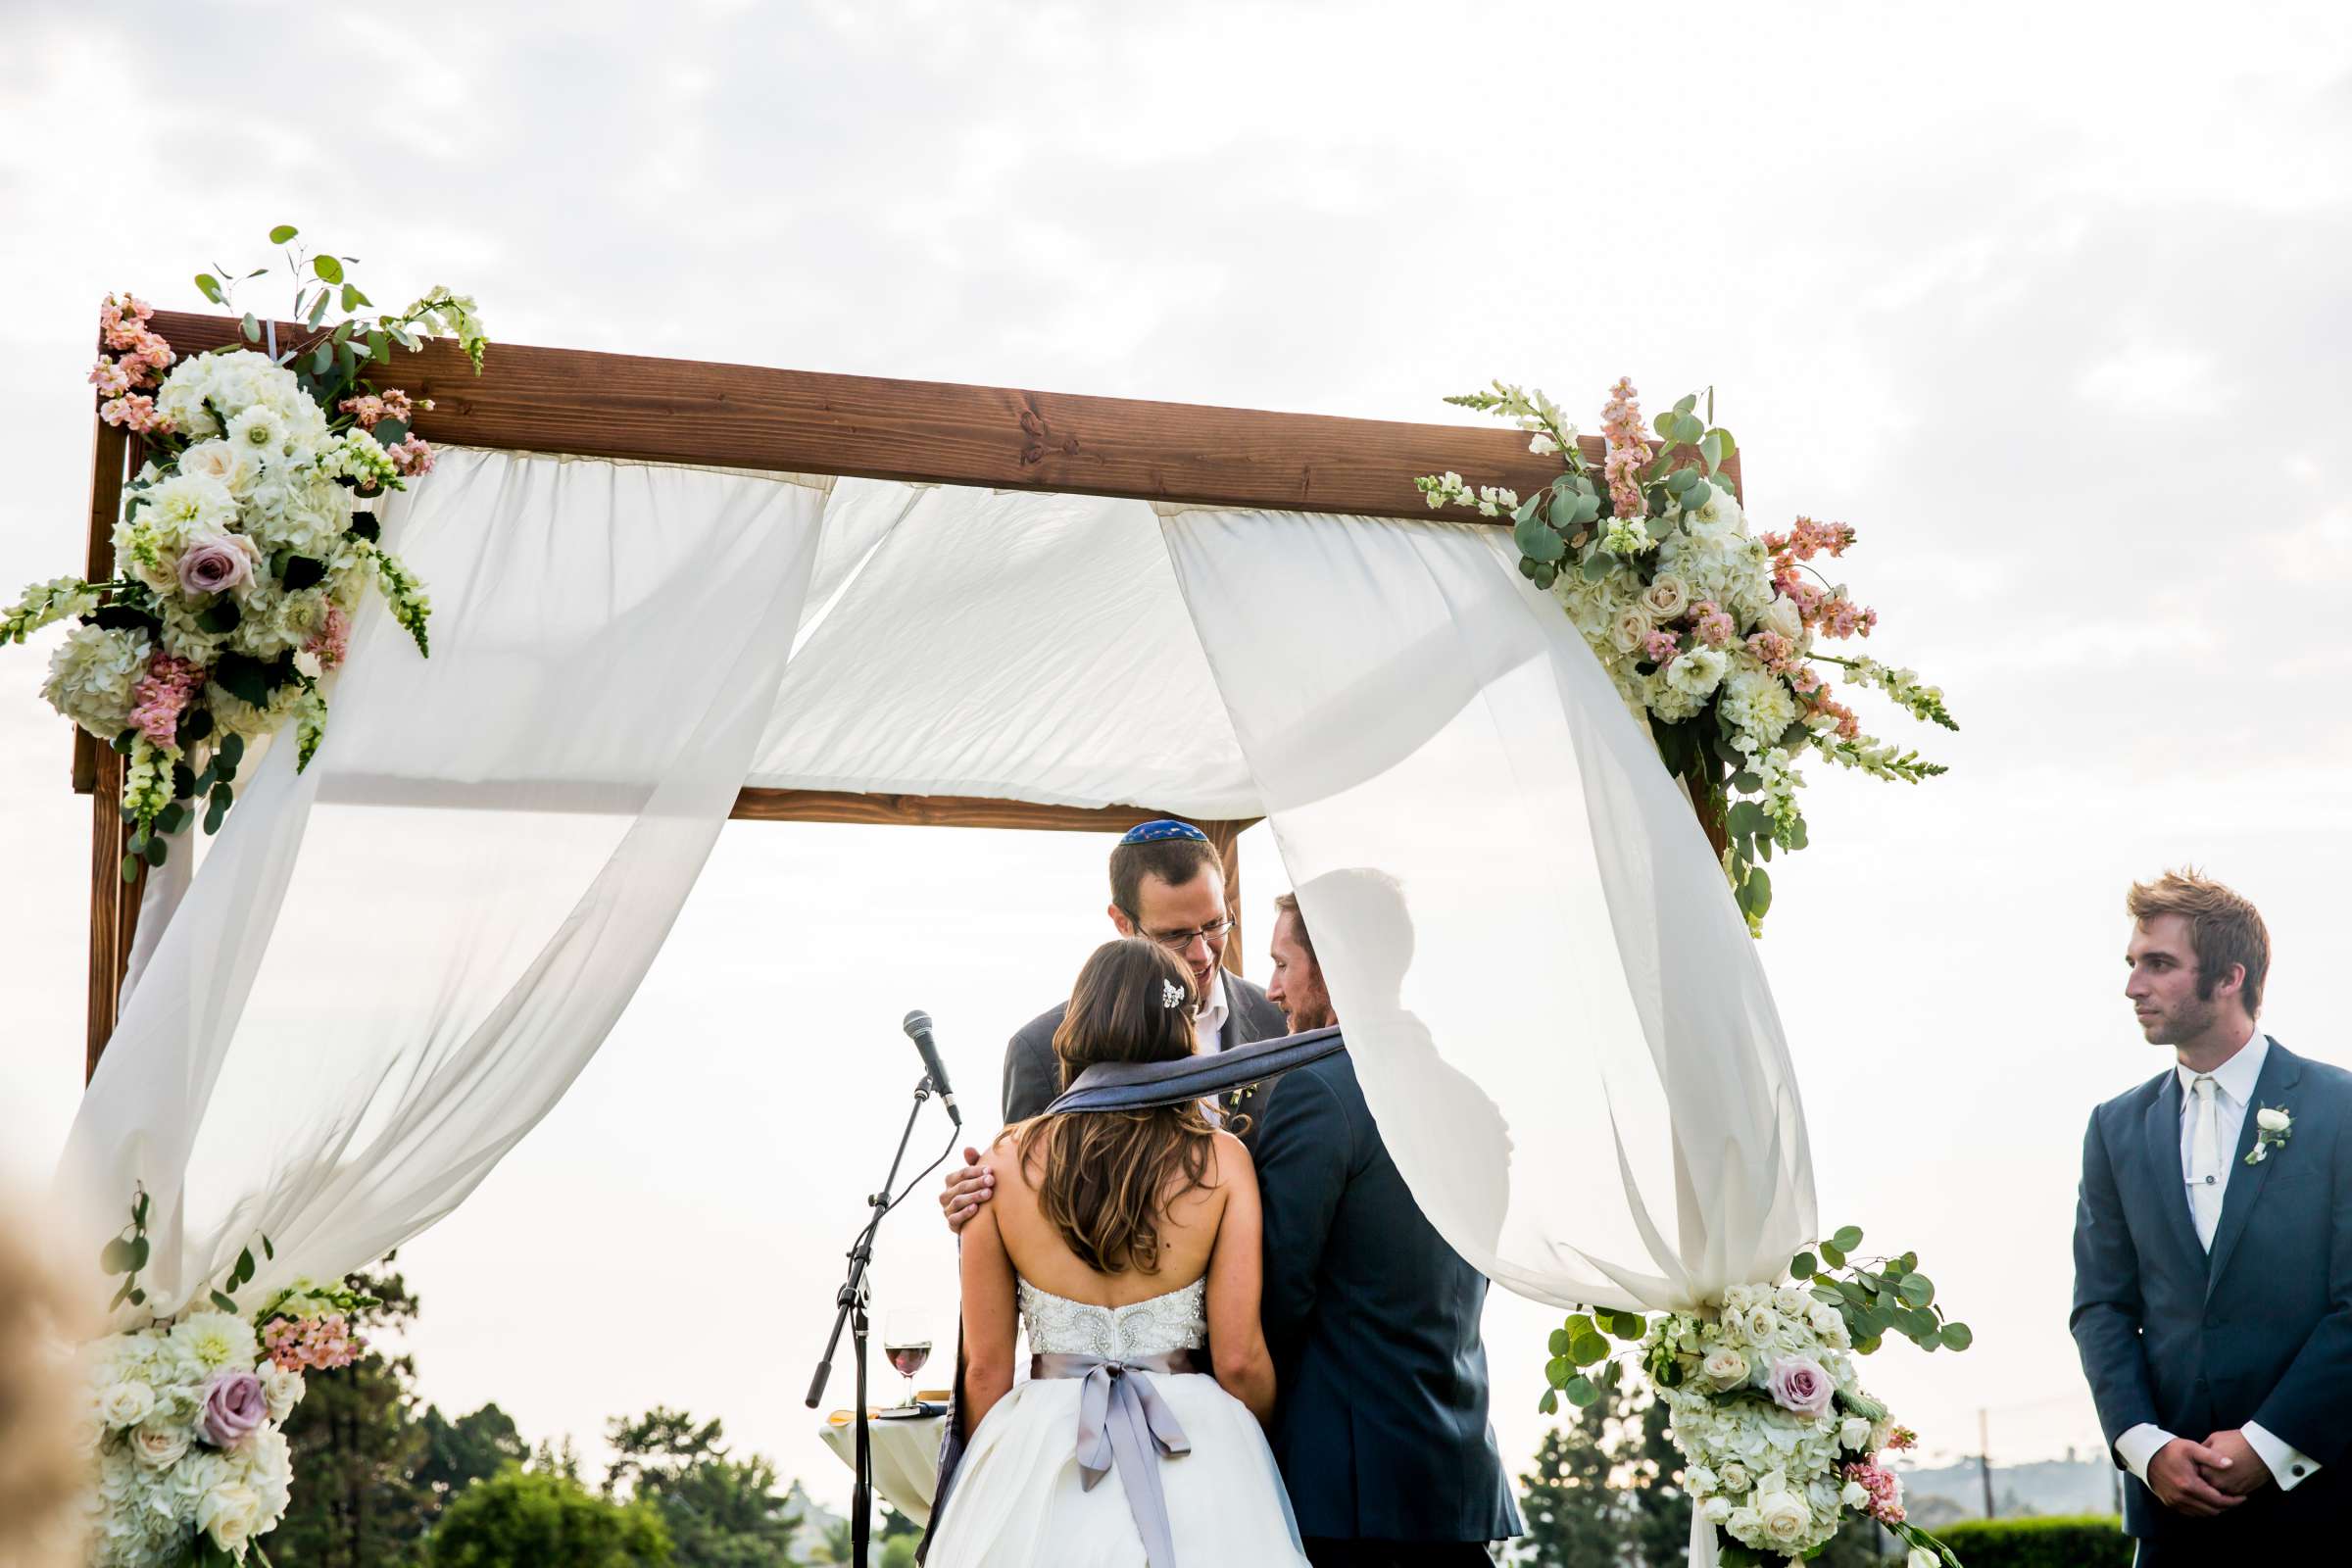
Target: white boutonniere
[(2271, 1129)]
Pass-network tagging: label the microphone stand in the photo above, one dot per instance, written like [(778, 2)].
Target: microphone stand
[(851, 1303)]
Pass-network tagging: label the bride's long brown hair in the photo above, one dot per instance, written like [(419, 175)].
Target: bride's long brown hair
[(1106, 1176)]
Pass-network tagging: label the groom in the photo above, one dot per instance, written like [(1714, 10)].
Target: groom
[(2213, 1253)]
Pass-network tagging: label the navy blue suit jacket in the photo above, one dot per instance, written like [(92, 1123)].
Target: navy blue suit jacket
[(1380, 1419), (2257, 1330)]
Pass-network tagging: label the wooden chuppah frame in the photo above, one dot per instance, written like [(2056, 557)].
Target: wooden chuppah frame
[(591, 404)]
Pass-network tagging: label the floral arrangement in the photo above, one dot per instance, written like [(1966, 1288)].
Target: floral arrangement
[(246, 541), (1780, 1440), (184, 1417), (1712, 635)]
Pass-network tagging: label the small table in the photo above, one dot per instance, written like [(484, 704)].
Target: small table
[(906, 1457)]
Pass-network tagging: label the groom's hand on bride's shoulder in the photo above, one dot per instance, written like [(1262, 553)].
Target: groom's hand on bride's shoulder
[(2190, 1478), (969, 1186), (2246, 1473)]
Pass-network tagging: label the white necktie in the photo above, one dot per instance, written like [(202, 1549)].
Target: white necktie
[(2205, 1163)]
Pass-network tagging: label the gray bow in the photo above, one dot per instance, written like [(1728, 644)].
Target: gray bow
[(1121, 1418)]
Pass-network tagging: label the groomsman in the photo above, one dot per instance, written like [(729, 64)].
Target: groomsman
[(2213, 1253)]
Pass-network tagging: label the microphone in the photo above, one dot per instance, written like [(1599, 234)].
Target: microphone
[(918, 1025)]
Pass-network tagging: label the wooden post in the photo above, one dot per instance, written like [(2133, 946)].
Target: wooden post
[(113, 902), (1226, 837)]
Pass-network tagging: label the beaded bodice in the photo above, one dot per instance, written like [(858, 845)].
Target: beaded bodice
[(1058, 1326)]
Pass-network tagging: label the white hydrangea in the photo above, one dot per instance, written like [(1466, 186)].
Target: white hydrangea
[(92, 677), (299, 509), (357, 456)]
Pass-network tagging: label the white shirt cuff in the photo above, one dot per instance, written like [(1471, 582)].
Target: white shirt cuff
[(2288, 1467), (2140, 1445)]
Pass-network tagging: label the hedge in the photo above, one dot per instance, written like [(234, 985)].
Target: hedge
[(2088, 1540)]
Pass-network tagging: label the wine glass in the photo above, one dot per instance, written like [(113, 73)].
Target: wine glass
[(906, 1341)]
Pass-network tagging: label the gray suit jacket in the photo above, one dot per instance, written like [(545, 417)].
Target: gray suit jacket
[(1033, 1073), (2259, 1329)]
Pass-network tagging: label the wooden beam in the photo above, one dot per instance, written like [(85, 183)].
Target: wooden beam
[(931, 810), (933, 432)]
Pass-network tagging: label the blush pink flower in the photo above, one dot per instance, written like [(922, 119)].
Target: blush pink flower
[(332, 642), (1628, 449), (1660, 647), (411, 454), (134, 410), (1798, 1384), (109, 377), (1714, 626), (161, 694), (124, 321), (1773, 651), (320, 1344), (1886, 1492)]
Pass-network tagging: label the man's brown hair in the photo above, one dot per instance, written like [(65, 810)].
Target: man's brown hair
[(2223, 928), (1288, 904), (1175, 861)]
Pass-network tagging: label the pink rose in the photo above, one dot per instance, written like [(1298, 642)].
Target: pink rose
[(235, 1405), (217, 564), (1798, 1383)]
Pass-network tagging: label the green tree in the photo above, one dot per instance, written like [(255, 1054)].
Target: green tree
[(355, 1440), (458, 1453), (1650, 1474), (1573, 1518), (537, 1519), (721, 1513)]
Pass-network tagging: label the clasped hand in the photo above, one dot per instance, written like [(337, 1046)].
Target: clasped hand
[(2205, 1479)]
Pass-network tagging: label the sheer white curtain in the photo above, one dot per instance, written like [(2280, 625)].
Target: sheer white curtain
[(1557, 1015), (393, 964)]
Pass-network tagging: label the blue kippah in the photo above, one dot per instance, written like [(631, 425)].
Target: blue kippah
[(1167, 827)]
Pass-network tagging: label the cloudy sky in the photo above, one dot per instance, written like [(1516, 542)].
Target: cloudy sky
[(2052, 309)]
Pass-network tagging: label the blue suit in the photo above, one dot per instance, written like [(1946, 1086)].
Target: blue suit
[(2257, 1330), (1379, 1420)]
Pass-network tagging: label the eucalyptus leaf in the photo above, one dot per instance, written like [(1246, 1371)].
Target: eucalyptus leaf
[(251, 328), (1804, 1267), (283, 234), (1915, 1290), (1956, 1336), (225, 1302), (1588, 1348), (210, 287), (1549, 1405), (1835, 1255), (1537, 540), (1849, 1238), (330, 270), (1581, 1393)]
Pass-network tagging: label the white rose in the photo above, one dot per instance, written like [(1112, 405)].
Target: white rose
[(1855, 1494), (1853, 1433), (1698, 1481), (2273, 1121), (1782, 616), (1716, 1509), (1667, 597), (1826, 1321), (160, 1444), (1744, 1524), (1628, 630), (1725, 1366), (126, 1405), (1790, 1300), (1735, 1476), (1761, 1322), (230, 1514), (1783, 1517), (283, 1387), (234, 467)]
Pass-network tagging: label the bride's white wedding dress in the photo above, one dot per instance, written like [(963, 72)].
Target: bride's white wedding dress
[(1022, 1498)]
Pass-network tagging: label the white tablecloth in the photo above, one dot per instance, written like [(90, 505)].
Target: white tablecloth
[(905, 1456)]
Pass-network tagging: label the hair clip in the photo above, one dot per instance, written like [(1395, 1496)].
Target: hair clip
[(1170, 993)]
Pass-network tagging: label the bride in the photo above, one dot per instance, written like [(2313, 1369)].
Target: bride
[(1126, 1241)]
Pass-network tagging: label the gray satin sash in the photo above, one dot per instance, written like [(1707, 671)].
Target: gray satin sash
[(1121, 1419), (1140, 1085)]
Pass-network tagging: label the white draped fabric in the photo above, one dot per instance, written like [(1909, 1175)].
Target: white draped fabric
[(388, 968), (1558, 1017), (391, 965)]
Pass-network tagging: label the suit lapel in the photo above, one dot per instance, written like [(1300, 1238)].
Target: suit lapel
[(2279, 1071), (2162, 1146)]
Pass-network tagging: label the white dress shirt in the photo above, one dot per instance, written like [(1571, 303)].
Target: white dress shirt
[(2233, 1097), (1209, 1019)]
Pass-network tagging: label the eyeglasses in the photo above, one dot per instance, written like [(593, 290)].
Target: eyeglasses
[(1181, 942)]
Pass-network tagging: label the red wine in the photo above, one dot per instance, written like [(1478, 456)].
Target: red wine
[(909, 1359)]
